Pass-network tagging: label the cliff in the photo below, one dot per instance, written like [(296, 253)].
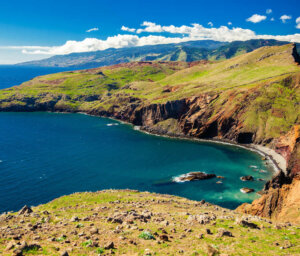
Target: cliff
[(252, 98), (281, 198)]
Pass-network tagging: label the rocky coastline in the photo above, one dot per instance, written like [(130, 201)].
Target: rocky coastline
[(133, 115), (210, 107)]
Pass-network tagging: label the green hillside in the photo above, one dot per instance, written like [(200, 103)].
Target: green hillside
[(258, 90)]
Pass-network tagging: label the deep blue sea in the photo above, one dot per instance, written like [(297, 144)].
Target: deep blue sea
[(46, 155), (14, 75)]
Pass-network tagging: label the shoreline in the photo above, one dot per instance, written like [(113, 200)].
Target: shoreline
[(273, 159), (279, 164), (276, 160)]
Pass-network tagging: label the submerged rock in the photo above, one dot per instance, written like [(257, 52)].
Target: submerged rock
[(194, 176)]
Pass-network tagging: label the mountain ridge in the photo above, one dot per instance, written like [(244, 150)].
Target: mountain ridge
[(188, 51)]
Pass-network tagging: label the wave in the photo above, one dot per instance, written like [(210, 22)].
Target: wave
[(112, 124)]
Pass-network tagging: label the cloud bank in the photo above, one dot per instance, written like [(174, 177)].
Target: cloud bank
[(171, 34)]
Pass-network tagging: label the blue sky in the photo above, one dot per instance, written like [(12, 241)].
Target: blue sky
[(35, 29)]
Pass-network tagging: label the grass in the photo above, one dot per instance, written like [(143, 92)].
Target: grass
[(87, 243), (171, 208)]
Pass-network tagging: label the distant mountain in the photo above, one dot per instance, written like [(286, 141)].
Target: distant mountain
[(187, 51)]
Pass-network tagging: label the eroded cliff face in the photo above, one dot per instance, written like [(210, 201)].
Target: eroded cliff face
[(279, 203), (281, 198)]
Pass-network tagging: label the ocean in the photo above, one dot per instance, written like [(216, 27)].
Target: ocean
[(47, 155)]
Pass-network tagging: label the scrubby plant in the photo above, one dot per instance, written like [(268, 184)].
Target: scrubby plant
[(87, 243), (146, 235)]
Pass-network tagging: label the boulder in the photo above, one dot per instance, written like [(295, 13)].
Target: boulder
[(247, 224), (109, 245), (247, 190), (25, 210), (164, 238), (201, 218), (247, 178), (74, 219), (94, 231), (222, 232), (195, 176)]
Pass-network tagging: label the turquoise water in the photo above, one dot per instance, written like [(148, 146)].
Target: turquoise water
[(46, 155)]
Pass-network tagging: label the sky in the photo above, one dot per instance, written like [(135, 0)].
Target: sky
[(37, 29)]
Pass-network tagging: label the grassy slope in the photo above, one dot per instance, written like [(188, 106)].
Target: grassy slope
[(56, 231), (260, 82)]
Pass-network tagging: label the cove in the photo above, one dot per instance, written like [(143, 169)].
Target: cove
[(47, 155)]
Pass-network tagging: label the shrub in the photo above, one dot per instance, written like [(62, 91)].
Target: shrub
[(146, 235)]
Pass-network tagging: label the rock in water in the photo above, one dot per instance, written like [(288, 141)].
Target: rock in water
[(25, 210), (194, 176), (247, 190), (247, 178)]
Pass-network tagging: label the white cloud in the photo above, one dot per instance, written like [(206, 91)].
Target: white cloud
[(268, 11), (150, 27), (285, 17), (272, 19), (128, 29), (298, 22), (229, 23), (92, 29), (188, 33), (210, 24), (255, 18)]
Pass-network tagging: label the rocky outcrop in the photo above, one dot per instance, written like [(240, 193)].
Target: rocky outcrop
[(247, 178), (281, 198), (281, 203), (195, 176), (247, 190)]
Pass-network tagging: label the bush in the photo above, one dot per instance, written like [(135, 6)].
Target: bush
[(146, 235)]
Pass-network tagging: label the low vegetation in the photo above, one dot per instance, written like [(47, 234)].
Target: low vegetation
[(124, 222)]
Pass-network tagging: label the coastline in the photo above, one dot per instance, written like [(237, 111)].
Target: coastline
[(276, 160), (273, 159), (279, 164)]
